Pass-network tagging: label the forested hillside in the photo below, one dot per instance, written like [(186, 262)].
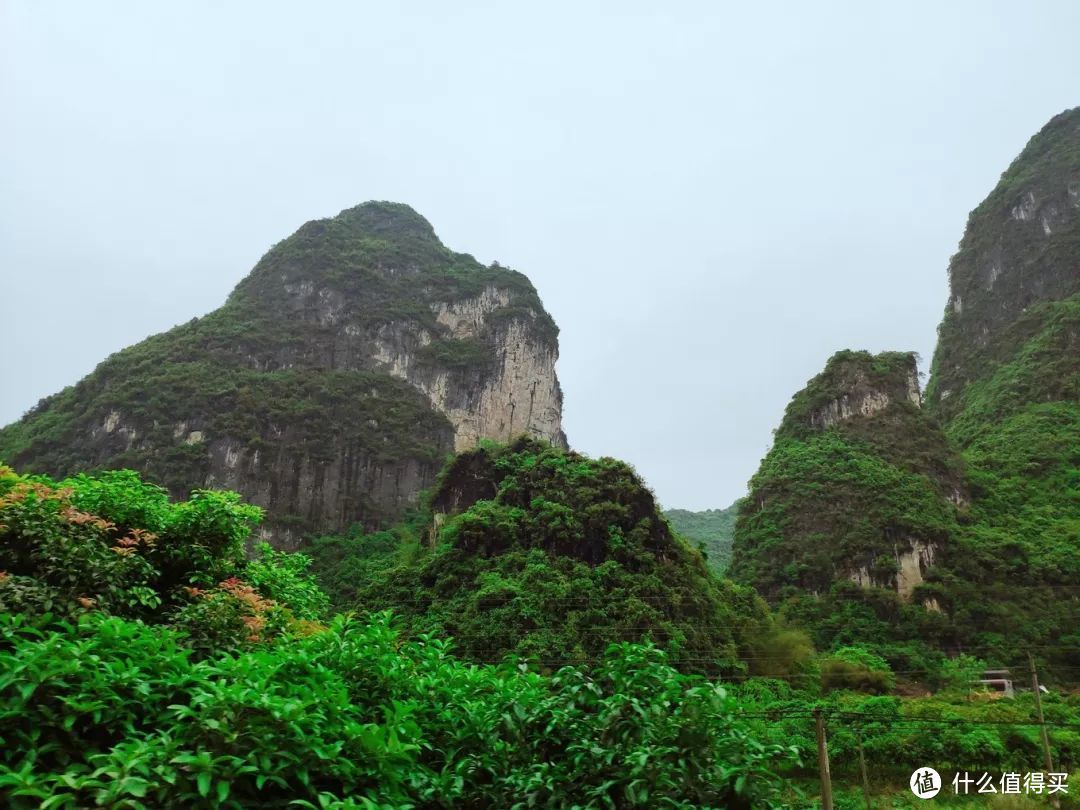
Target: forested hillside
[(711, 530), (954, 524), (330, 386), (547, 554)]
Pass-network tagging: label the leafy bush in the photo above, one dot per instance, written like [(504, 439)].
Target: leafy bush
[(106, 710), (131, 676), (283, 577), (857, 669)]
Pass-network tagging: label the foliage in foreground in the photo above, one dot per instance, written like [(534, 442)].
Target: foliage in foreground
[(107, 710), (145, 663)]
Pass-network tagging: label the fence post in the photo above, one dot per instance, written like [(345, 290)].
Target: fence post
[(1047, 759), (862, 769), (823, 762)]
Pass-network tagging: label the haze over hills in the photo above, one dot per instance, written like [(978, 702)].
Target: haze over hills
[(494, 620)]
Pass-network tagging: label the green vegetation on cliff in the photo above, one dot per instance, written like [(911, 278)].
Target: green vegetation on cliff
[(291, 392), (856, 478), (976, 498), (1006, 387), (295, 413), (1021, 248)]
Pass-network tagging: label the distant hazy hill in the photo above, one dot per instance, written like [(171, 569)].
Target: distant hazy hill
[(713, 528)]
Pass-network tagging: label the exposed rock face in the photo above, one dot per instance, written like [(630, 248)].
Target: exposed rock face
[(968, 506), (861, 398), (859, 486), (914, 559), (330, 387), (1021, 247), (520, 394)]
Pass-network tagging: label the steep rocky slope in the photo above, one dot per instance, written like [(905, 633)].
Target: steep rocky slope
[(331, 385), (859, 485), (1006, 387), (1016, 272), (970, 506)]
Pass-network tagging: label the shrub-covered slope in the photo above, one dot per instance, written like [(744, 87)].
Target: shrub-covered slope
[(551, 555), (710, 530), (859, 485), (328, 389), (983, 485), (1006, 386)]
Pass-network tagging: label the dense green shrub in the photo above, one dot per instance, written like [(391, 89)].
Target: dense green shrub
[(857, 669), (549, 555), (131, 676), (108, 710)]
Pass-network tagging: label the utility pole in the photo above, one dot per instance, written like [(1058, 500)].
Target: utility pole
[(862, 769), (1047, 759), (823, 762)]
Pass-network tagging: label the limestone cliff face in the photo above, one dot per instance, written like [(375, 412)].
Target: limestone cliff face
[(859, 395), (859, 486), (519, 393), (1020, 250), (331, 386), (967, 505), (1005, 386)]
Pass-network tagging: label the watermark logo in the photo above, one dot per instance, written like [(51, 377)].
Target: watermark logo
[(925, 783), (1037, 782)]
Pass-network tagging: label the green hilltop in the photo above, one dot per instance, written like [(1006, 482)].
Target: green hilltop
[(481, 617), (955, 524)]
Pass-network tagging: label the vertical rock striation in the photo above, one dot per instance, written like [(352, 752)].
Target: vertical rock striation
[(329, 388)]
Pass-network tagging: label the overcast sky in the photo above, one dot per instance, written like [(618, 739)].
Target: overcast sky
[(710, 197)]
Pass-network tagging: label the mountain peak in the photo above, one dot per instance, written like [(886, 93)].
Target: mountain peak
[(1020, 250), (329, 388), (386, 219)]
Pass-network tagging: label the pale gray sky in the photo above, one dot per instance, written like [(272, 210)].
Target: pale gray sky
[(711, 197)]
